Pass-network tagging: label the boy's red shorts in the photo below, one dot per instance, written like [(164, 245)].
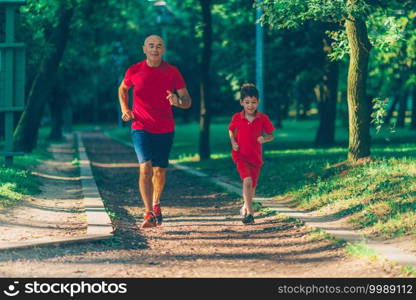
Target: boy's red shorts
[(246, 169)]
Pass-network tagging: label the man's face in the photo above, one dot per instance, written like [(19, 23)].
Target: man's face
[(154, 48), (250, 104)]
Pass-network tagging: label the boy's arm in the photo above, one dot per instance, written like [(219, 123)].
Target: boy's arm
[(266, 138), (233, 141)]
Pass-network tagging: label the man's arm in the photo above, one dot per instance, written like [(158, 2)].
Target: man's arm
[(123, 98), (182, 100)]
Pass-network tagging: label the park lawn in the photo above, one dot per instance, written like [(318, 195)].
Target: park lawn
[(17, 182), (378, 196)]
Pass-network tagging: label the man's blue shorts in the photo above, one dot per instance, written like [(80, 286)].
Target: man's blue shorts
[(151, 146)]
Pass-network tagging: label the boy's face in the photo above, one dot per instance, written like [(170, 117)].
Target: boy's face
[(250, 104)]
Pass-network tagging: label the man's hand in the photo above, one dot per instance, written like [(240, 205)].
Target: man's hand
[(173, 98), (127, 115), (179, 99)]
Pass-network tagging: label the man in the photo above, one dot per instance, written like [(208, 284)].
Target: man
[(157, 87)]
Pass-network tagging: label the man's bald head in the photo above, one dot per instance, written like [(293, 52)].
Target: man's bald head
[(154, 38), (153, 48)]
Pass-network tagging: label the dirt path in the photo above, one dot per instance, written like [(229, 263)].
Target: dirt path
[(57, 210), (202, 235)]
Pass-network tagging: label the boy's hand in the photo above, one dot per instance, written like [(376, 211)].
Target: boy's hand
[(261, 140), (235, 146)]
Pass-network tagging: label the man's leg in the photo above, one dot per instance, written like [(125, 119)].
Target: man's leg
[(146, 184), (162, 145), (159, 180)]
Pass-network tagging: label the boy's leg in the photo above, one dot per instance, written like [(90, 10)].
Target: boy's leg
[(248, 195), (251, 188), (255, 173)]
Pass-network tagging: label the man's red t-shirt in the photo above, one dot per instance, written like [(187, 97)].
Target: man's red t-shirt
[(246, 136), (152, 111)]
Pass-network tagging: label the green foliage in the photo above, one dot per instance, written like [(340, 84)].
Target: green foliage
[(361, 250), (257, 206), (293, 13), (378, 113), (75, 162), (106, 38), (318, 234), (409, 271), (340, 47), (17, 182), (14, 184)]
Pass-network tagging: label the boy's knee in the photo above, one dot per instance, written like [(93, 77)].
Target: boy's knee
[(248, 182)]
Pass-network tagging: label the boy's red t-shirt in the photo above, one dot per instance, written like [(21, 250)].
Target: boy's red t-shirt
[(152, 111), (246, 134)]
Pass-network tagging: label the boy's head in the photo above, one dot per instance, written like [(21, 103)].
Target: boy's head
[(249, 98)]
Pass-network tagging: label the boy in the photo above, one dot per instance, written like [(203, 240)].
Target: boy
[(248, 130)]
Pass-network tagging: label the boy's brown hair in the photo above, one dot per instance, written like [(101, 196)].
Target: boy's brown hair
[(248, 90)]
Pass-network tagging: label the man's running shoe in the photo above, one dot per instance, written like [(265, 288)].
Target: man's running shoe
[(149, 220), (158, 214), (248, 219)]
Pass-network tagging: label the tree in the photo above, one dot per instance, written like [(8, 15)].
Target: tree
[(326, 96), (392, 65), (25, 135), (413, 116), (205, 112), (352, 14), (358, 104)]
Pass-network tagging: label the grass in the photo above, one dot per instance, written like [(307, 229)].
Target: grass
[(361, 250), (317, 234), (17, 182), (408, 271), (378, 197)]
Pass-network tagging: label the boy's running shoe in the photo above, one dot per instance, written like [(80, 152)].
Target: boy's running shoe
[(158, 214), (248, 219), (149, 220)]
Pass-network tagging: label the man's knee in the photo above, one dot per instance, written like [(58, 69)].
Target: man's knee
[(159, 172), (146, 170)]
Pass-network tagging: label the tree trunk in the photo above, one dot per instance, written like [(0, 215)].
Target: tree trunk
[(358, 106), (391, 110), (205, 111), (25, 135), (401, 114), (413, 122), (327, 101), (56, 107), (277, 114)]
